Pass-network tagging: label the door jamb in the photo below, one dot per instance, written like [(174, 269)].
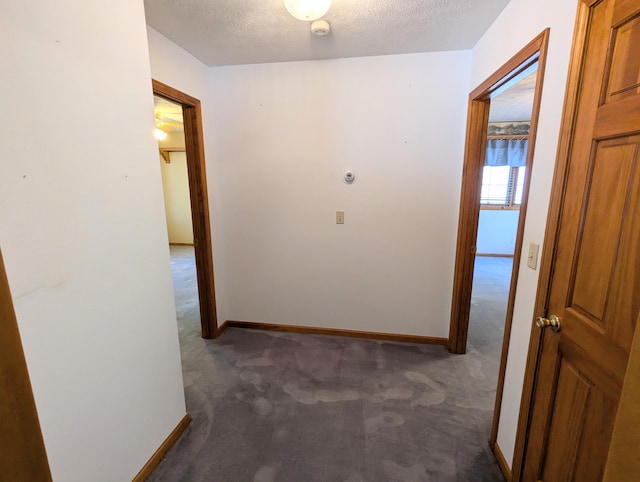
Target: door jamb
[(567, 128), (475, 145), (196, 168), (22, 451), (479, 105)]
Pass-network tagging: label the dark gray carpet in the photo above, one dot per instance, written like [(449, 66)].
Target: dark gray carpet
[(272, 406)]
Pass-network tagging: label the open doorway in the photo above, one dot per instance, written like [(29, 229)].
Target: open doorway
[(501, 130), (179, 122), (177, 205)]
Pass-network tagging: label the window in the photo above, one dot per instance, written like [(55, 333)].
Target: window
[(502, 186)]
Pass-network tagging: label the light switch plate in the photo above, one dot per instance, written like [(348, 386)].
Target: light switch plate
[(339, 217), (532, 257)]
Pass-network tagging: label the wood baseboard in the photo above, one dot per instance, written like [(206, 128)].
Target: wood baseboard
[(181, 244), (502, 462), (335, 332), (221, 329), (155, 459)]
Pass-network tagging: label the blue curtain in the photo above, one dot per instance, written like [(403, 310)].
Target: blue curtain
[(506, 152)]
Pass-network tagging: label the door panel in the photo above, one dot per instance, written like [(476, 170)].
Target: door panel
[(624, 80), (595, 282)]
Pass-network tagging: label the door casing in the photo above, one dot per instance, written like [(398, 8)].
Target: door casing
[(478, 117), (196, 168), (22, 452)]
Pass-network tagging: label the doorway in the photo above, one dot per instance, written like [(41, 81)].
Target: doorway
[(188, 154), (498, 159)]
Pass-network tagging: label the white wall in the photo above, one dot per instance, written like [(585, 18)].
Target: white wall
[(282, 135), (84, 236), (520, 22), (175, 185), (177, 204), (497, 231)]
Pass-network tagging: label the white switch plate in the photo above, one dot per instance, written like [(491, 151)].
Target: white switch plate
[(532, 257), (339, 217)]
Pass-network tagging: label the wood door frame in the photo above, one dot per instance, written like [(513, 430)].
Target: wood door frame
[(477, 123), (561, 170), (475, 146), (22, 451), (196, 168)]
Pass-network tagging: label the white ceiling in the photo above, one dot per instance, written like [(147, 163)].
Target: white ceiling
[(515, 103), (229, 32)]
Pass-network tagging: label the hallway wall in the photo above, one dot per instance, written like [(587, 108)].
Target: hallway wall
[(517, 25), (84, 236), (281, 137)]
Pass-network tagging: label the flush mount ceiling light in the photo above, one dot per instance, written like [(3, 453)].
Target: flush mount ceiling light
[(307, 10), (160, 134)]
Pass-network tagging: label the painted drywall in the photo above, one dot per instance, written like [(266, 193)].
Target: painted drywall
[(497, 231), (84, 236), (175, 186), (175, 183), (283, 135), (177, 68), (520, 22)]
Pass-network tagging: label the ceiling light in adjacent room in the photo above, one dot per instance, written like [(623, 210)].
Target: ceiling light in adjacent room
[(160, 134), (307, 10)]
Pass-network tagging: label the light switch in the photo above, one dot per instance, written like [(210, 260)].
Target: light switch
[(532, 257), (339, 217)]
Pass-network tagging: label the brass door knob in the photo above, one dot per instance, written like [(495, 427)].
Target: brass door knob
[(553, 321)]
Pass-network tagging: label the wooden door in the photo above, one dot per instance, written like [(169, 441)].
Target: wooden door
[(595, 281)]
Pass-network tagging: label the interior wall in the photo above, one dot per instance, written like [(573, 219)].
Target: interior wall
[(175, 186), (84, 236), (518, 24), (177, 203), (283, 135), (497, 231)]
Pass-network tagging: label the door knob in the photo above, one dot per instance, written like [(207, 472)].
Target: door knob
[(553, 321)]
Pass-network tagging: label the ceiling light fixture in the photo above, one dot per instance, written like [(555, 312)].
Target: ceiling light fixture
[(160, 134), (307, 10)]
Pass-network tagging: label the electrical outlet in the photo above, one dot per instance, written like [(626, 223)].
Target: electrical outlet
[(532, 257), (339, 217)]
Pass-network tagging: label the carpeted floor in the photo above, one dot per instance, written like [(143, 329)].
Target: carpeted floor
[(272, 406)]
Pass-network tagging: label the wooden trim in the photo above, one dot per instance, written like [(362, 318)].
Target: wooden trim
[(181, 244), (494, 255), (22, 452), (165, 152), (535, 51), (623, 462), (551, 233), (537, 100), (475, 146), (370, 335), (502, 462), (169, 442), (196, 167), (468, 224), (221, 328)]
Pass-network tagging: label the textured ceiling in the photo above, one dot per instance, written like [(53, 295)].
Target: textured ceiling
[(228, 32), (515, 103)]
